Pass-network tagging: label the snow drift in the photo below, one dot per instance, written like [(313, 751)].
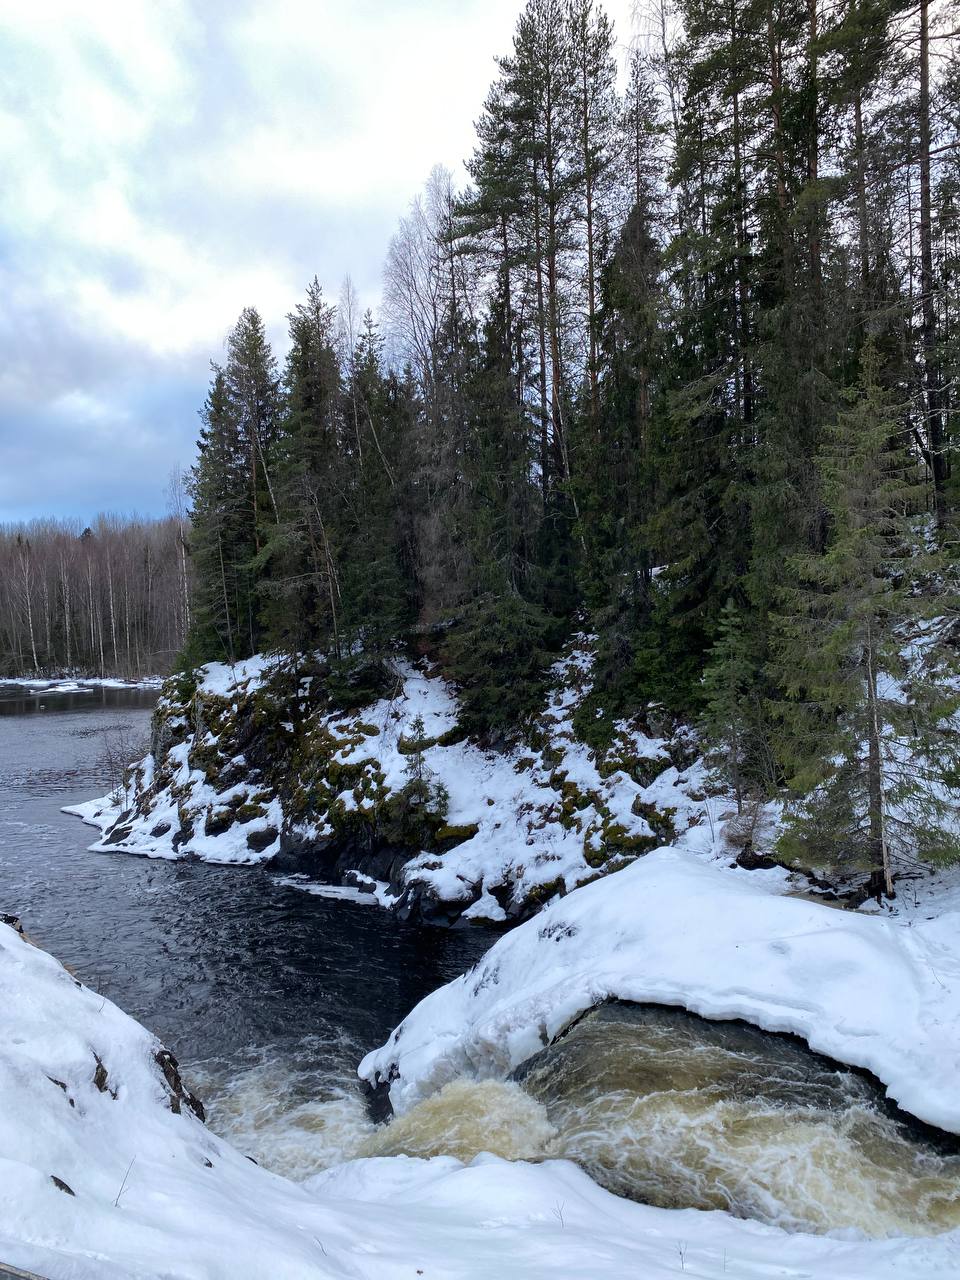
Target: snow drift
[(673, 929)]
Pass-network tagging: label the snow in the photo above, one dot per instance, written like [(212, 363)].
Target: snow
[(675, 929), (157, 1195), (338, 892), (229, 847), (66, 684), (223, 678)]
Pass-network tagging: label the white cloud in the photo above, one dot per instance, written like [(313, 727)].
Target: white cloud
[(167, 162)]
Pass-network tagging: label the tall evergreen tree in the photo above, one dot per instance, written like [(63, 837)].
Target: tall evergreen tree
[(221, 535), (877, 758)]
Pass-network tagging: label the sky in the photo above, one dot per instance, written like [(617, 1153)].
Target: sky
[(166, 163)]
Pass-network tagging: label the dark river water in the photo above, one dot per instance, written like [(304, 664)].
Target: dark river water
[(268, 996)]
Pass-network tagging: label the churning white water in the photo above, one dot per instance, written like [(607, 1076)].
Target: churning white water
[(295, 1108), (675, 1111), (655, 1104)]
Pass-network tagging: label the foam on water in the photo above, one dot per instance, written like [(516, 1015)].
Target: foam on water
[(671, 1110), (656, 1105), (466, 1117), (295, 1108)]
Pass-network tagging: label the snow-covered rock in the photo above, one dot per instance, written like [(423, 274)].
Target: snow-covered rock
[(881, 994), (254, 761), (144, 1192)]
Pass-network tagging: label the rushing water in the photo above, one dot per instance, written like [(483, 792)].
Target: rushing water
[(670, 1109), (269, 996)]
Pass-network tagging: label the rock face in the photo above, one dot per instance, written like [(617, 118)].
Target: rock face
[(180, 1096), (366, 781)]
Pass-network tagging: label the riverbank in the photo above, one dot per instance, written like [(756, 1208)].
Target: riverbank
[(106, 1173), (72, 683), (374, 788)]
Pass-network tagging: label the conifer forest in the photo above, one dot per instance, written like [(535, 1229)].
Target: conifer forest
[(677, 367)]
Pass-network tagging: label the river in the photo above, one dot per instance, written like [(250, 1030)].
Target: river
[(269, 996)]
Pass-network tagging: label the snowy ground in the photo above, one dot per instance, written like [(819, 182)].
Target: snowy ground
[(145, 1192)]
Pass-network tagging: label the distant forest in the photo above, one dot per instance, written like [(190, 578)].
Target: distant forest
[(106, 599)]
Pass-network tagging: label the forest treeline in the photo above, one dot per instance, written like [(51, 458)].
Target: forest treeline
[(678, 366), (108, 599)]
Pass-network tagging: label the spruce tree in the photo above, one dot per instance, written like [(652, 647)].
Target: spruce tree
[(866, 740), (299, 552), (735, 719), (221, 535), (375, 579)]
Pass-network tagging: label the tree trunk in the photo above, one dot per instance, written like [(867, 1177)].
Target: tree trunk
[(746, 388), (881, 876), (862, 240), (928, 323), (542, 334)]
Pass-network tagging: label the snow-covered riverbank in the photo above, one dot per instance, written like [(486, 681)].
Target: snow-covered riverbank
[(107, 1173), (882, 994), (75, 684), (253, 761)]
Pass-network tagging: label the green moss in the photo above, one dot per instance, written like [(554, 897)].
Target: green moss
[(452, 736), (448, 836), (544, 892), (616, 838), (248, 812), (207, 758), (409, 746), (660, 821), (218, 821), (644, 770)]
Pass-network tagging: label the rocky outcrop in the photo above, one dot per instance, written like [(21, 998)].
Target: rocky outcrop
[(365, 780)]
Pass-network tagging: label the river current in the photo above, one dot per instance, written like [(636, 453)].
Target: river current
[(269, 997)]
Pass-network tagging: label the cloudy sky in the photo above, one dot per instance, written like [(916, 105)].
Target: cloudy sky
[(167, 162)]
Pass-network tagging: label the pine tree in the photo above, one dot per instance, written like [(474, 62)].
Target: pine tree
[(735, 721), (221, 536), (870, 758)]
